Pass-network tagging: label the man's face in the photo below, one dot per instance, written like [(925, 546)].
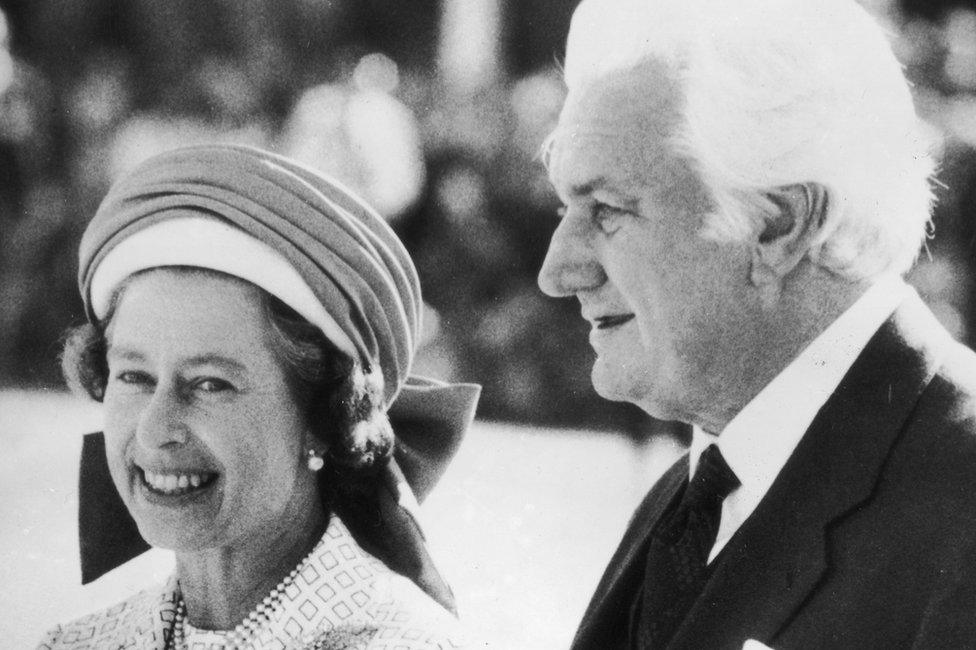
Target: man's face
[(664, 302)]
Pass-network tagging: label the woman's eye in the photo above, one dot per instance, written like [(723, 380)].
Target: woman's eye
[(131, 381), (609, 218), (212, 385), (133, 377)]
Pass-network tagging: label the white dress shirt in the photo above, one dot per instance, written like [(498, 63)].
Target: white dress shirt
[(759, 440)]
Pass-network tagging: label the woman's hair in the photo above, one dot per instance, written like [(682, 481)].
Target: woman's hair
[(341, 401)]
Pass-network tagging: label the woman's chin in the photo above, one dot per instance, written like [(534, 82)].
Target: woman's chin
[(181, 538)]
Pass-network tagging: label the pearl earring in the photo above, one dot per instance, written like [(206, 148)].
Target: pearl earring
[(315, 462)]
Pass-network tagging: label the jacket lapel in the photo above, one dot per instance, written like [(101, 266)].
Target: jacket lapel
[(780, 553), (607, 616)]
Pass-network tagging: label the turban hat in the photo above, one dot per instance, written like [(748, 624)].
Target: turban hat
[(360, 286), (308, 241)]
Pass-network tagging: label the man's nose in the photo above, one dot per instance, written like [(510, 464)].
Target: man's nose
[(162, 422), (571, 265)]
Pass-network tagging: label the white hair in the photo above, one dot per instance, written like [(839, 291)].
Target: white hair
[(778, 92)]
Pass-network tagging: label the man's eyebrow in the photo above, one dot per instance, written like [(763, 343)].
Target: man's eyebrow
[(582, 189), (603, 183)]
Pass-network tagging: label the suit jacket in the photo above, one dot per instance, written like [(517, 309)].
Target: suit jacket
[(866, 539)]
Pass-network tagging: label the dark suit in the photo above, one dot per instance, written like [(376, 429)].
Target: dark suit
[(866, 539)]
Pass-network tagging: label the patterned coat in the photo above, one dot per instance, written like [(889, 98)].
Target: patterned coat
[(342, 597)]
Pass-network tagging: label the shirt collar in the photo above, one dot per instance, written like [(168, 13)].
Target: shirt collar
[(759, 440)]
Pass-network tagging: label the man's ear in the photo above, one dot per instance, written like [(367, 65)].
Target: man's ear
[(787, 233)]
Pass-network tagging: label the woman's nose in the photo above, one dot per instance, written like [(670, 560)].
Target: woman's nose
[(571, 264), (163, 420)]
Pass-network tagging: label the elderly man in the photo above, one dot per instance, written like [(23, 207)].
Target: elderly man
[(744, 184)]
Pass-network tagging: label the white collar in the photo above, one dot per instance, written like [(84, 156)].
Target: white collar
[(759, 440)]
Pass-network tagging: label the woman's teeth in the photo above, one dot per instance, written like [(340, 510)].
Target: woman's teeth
[(176, 483)]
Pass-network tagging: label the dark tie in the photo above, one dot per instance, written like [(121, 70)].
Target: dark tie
[(677, 558)]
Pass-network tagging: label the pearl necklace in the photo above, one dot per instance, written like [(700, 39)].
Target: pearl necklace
[(243, 632)]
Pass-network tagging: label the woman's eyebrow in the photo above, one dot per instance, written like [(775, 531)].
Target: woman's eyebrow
[(123, 352), (214, 359), (211, 358)]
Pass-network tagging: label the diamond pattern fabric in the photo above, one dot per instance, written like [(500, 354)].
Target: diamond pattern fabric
[(342, 598)]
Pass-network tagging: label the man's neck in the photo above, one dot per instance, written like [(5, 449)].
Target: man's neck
[(803, 309)]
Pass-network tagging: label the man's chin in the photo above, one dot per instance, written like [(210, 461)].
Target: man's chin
[(613, 384), (621, 387)]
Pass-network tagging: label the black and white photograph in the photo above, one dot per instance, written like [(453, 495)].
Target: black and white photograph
[(500, 324)]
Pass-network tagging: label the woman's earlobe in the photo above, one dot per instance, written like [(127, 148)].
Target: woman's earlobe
[(788, 232), (315, 452), (315, 459)]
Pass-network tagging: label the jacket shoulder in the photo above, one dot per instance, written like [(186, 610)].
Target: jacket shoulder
[(386, 611), (943, 422), (407, 617), (933, 464), (955, 384), (141, 617)]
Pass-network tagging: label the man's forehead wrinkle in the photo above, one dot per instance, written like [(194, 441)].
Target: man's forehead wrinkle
[(646, 101), (609, 157), (579, 170)]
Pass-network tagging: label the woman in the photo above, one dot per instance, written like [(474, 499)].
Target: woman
[(251, 330)]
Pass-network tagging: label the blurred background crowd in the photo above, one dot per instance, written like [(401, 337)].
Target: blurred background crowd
[(435, 110)]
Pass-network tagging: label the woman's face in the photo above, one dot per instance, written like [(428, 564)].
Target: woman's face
[(204, 441)]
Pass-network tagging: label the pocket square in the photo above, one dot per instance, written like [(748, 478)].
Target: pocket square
[(752, 644)]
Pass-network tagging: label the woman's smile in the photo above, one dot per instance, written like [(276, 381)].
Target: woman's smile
[(175, 482)]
